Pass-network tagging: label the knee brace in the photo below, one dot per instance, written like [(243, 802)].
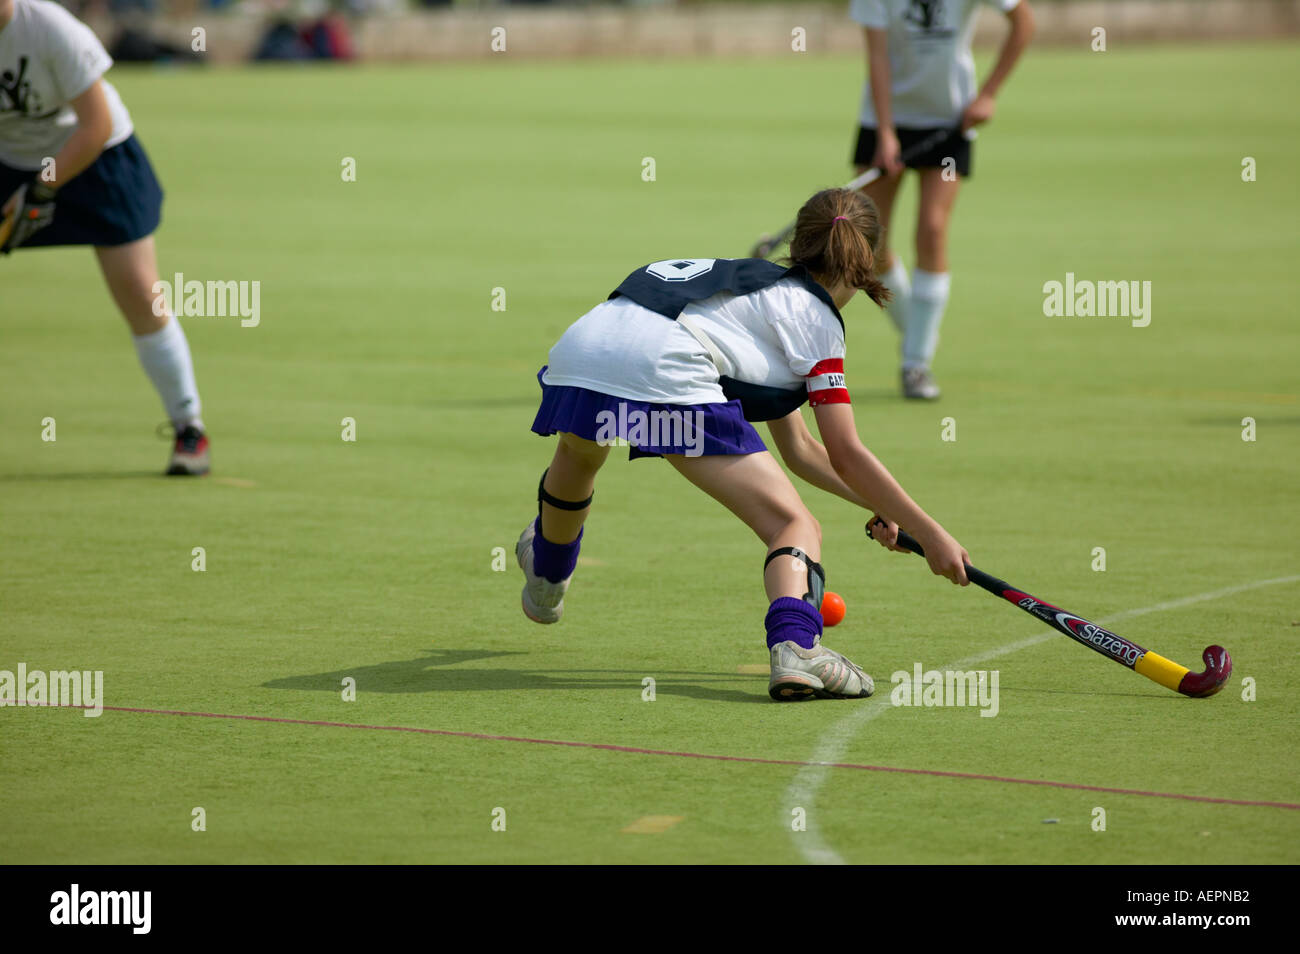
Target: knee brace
[(816, 575)]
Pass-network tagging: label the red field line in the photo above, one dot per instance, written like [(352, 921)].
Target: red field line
[(970, 776)]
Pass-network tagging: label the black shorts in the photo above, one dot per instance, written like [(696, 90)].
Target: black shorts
[(116, 200), (956, 146)]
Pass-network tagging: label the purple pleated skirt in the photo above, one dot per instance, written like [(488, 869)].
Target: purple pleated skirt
[(650, 430)]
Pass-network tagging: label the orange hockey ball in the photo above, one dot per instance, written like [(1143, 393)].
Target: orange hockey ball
[(832, 608)]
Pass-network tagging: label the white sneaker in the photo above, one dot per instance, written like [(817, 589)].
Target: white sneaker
[(919, 383), (189, 454), (799, 673), (543, 600)]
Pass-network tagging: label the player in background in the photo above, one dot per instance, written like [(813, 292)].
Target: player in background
[(721, 343), (98, 190), (921, 78)]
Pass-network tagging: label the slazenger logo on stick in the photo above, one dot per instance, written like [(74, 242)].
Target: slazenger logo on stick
[(1107, 641), (102, 907)]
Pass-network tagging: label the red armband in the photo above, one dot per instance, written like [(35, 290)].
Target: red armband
[(826, 383)]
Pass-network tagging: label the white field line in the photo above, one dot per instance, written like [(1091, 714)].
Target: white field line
[(803, 789)]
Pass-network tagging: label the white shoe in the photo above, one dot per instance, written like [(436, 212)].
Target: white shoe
[(919, 383), (189, 454), (799, 673), (543, 600)]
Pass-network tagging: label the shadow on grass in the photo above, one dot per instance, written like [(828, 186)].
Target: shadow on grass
[(429, 673), (1137, 693), (94, 475)]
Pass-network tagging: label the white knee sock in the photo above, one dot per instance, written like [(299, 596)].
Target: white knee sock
[(899, 304), (165, 355), (929, 299)]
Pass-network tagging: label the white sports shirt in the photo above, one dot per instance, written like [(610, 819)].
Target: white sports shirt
[(931, 70), (780, 336), (47, 58)]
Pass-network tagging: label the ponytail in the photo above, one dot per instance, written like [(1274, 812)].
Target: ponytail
[(836, 236)]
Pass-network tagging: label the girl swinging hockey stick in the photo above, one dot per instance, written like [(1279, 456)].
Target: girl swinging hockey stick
[(721, 343)]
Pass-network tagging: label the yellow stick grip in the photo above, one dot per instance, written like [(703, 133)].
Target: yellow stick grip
[(1159, 669)]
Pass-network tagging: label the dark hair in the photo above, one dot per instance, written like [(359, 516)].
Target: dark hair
[(836, 235)]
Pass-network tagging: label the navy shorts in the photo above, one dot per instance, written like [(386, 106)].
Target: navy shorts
[(956, 146), (651, 430), (115, 201)]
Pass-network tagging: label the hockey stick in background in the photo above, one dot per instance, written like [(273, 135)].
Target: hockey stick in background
[(6, 227), (1218, 664), (770, 243)]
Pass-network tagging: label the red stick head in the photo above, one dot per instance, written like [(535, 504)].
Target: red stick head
[(1218, 667)]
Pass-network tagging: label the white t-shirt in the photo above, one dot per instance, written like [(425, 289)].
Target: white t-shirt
[(931, 70), (47, 58), (780, 336)]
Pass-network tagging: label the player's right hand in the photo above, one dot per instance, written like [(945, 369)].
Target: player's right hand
[(947, 557), (32, 207), (888, 152)]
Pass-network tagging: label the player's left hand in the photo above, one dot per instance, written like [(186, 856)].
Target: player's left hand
[(32, 207), (885, 532), (978, 112)]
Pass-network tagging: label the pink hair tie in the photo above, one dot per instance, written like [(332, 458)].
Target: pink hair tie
[(838, 217)]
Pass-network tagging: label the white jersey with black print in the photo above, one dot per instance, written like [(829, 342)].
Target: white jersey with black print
[(47, 59), (781, 336), (931, 70)]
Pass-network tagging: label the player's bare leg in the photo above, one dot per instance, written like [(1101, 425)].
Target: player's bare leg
[(547, 550), (930, 282), (889, 267), (938, 197), (571, 476), (131, 271), (757, 490)]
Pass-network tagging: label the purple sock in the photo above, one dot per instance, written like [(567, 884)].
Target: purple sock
[(555, 561), (795, 619)]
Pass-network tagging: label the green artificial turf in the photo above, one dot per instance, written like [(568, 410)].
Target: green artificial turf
[(374, 559)]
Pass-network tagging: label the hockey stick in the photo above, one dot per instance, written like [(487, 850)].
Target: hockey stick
[(1218, 664), (770, 243)]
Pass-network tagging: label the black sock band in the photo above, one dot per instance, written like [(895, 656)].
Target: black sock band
[(816, 575), (556, 502), (789, 551)]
